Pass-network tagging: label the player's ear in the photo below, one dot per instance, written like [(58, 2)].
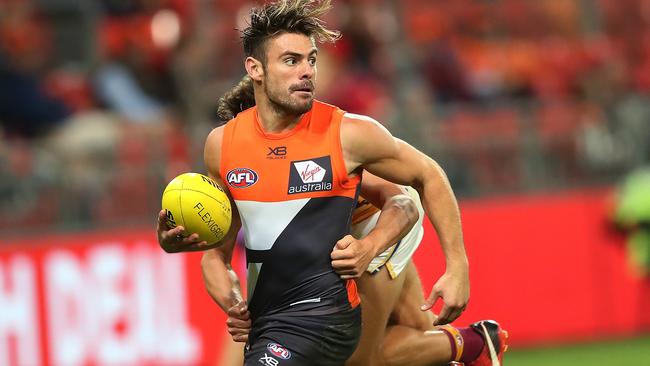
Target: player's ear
[(254, 68)]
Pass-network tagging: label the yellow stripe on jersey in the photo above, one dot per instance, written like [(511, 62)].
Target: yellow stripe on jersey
[(363, 210)]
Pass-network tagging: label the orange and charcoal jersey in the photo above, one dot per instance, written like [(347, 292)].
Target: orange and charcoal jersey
[(295, 200)]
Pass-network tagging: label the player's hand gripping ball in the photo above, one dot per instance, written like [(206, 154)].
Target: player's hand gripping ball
[(199, 204)]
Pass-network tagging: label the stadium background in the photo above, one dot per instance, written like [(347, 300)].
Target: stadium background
[(538, 110)]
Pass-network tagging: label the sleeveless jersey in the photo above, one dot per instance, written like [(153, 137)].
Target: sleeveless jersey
[(295, 201)]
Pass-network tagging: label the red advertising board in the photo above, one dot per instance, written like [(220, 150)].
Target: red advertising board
[(104, 298), (548, 268)]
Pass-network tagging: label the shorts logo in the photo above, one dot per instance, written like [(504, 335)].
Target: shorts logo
[(278, 351), (241, 177), (268, 360), (313, 175)]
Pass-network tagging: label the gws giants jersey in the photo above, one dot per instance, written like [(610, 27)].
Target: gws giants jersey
[(295, 201)]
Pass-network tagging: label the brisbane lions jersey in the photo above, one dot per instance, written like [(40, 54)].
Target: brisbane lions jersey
[(295, 200)]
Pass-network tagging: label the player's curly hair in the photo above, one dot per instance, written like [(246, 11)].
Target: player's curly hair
[(286, 16), (237, 99)]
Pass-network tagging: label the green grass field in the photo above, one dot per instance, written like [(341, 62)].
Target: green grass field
[(635, 351)]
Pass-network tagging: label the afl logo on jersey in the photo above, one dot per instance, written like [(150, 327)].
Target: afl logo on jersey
[(241, 177), (278, 351)]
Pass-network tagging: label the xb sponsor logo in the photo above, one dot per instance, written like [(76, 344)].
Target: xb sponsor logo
[(279, 152), (278, 351), (241, 177), (268, 360)]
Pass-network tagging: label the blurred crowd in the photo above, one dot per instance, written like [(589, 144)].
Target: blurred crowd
[(102, 102)]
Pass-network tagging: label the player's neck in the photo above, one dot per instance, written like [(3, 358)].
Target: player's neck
[(273, 120)]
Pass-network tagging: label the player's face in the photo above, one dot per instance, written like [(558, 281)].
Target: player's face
[(290, 72)]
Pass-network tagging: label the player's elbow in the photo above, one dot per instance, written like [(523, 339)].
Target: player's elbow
[(432, 177), (408, 208), (411, 211)]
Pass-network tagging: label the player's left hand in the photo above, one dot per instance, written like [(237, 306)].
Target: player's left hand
[(453, 289), (351, 257)]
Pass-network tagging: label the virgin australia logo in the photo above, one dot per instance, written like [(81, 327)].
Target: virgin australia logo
[(310, 172), (311, 175)]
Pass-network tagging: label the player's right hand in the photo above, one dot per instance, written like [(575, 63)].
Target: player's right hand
[(453, 288), (351, 257), (174, 240), (239, 322)]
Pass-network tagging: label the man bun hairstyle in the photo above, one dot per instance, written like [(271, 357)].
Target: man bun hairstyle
[(238, 99), (286, 16)]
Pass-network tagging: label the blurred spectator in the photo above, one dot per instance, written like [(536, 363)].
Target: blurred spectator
[(117, 87), (446, 76), (138, 40), (510, 95), (27, 109)]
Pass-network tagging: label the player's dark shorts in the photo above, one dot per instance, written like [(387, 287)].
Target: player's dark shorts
[(304, 339)]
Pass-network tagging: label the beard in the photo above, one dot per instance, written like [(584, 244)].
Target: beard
[(285, 105)]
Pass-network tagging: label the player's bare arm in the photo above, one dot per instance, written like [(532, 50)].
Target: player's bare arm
[(351, 256), (223, 285), (367, 144), (219, 278), (221, 282)]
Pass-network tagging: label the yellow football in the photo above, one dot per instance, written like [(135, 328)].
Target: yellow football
[(199, 204)]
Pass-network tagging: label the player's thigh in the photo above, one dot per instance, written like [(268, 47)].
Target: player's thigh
[(232, 353), (407, 311), (379, 294)]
